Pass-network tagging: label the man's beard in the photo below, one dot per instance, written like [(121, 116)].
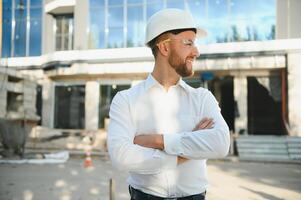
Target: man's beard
[(179, 65)]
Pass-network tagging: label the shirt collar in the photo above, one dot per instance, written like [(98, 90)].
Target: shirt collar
[(151, 81)]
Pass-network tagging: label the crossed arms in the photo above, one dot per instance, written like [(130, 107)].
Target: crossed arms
[(156, 141), (149, 154)]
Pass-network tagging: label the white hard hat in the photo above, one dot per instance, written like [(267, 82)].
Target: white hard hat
[(170, 19)]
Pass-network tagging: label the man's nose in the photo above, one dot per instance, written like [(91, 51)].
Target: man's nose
[(196, 51)]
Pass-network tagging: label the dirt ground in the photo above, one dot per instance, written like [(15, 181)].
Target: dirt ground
[(68, 181)]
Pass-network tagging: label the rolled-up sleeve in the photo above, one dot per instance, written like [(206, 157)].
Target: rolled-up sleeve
[(123, 152), (205, 143)]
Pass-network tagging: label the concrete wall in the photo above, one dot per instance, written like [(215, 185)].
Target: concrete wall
[(241, 98), (48, 103), (0, 25), (288, 19), (3, 95), (92, 105), (81, 24), (47, 31), (294, 92), (48, 39)]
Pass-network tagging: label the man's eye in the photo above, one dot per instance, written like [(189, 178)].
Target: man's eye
[(189, 43)]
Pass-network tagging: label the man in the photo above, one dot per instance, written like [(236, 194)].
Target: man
[(162, 130)]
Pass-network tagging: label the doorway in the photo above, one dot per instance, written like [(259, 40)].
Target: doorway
[(264, 106)]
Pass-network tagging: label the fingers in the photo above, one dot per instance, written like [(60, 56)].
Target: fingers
[(209, 124), (205, 123), (151, 141), (181, 160)]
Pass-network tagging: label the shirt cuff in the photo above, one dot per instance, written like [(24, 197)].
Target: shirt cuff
[(167, 161), (172, 144)]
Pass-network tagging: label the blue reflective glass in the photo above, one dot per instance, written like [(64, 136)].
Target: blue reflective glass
[(198, 10), (136, 26), (97, 27), (135, 1), (153, 7), (6, 2), (35, 3), (20, 13), (6, 39), (115, 16), (217, 23), (96, 3), (175, 4), (96, 38), (217, 31), (256, 23), (115, 39), (35, 38), (36, 13), (6, 28), (20, 38), (6, 12), (218, 9), (115, 2), (20, 4)]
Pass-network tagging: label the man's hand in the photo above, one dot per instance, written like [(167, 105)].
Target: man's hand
[(205, 123), (151, 141), (155, 141)]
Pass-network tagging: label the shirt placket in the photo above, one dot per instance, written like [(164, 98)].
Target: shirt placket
[(170, 174)]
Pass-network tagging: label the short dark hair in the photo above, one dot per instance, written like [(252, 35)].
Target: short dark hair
[(153, 43)]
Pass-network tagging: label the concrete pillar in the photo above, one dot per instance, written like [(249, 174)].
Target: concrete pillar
[(288, 19), (241, 98), (1, 24), (294, 92), (81, 25), (48, 34), (92, 105), (3, 95), (48, 103)]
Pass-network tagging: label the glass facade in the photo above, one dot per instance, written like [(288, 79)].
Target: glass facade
[(6, 28), (121, 23), (21, 28), (35, 39)]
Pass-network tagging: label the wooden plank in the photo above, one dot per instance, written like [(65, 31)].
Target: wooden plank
[(261, 137), (266, 157), (295, 150), (263, 155), (261, 141), (275, 146), (296, 145), (263, 147), (295, 156), (293, 139), (264, 151), (269, 147)]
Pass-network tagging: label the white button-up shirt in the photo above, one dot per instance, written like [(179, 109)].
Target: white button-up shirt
[(148, 108)]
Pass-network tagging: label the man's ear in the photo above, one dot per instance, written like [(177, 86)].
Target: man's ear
[(163, 47)]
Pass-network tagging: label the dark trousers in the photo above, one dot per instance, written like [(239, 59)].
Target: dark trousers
[(139, 195)]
